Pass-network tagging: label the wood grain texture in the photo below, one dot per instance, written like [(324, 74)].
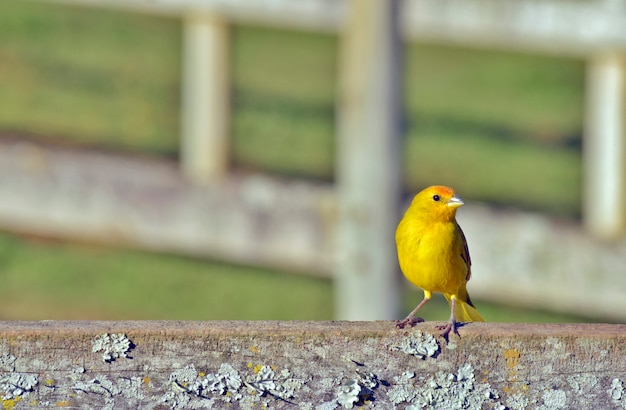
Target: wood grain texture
[(311, 365)]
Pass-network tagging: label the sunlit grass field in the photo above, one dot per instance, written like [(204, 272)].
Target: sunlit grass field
[(500, 127)]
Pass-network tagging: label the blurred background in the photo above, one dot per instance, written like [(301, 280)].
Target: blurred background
[(98, 222)]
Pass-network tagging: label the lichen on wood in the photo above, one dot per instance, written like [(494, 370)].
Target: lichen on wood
[(310, 365)]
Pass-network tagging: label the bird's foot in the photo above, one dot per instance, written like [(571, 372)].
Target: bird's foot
[(451, 326), (409, 321)]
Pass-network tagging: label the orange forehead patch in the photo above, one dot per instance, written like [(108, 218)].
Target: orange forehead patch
[(443, 190)]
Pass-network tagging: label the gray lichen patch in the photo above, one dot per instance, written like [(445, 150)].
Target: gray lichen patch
[(403, 391), (113, 346), (107, 390), (616, 391), (329, 405), (349, 394), (182, 394), (443, 391), (553, 400), (358, 390), (193, 389), (7, 362), (418, 344), (281, 385), (585, 387), (517, 401), (14, 385), (225, 382), (582, 384)]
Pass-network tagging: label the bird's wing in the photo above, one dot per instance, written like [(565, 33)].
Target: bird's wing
[(465, 255)]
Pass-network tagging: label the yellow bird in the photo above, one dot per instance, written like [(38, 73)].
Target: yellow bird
[(433, 254)]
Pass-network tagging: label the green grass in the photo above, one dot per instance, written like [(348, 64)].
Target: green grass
[(500, 171), (54, 280), (90, 77), (500, 127), (500, 93)]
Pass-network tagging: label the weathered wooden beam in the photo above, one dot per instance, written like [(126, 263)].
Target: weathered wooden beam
[(562, 27), (368, 166), (318, 15), (126, 200), (556, 27), (309, 365)]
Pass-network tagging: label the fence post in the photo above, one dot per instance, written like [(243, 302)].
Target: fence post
[(604, 202), (205, 104), (368, 169)]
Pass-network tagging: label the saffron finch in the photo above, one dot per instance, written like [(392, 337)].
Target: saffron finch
[(433, 254)]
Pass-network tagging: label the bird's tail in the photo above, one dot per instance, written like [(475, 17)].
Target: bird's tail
[(465, 310)]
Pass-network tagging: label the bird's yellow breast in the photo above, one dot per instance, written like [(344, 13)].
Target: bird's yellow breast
[(430, 255)]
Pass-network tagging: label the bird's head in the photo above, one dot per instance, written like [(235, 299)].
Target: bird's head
[(436, 202)]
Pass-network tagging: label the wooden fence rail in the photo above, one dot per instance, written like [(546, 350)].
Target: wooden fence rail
[(310, 365)]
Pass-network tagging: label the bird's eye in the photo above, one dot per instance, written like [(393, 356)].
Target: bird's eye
[(436, 197)]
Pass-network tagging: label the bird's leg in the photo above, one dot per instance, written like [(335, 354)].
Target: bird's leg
[(451, 325), (411, 320)]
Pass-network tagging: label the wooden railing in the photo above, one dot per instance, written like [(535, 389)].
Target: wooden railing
[(309, 365)]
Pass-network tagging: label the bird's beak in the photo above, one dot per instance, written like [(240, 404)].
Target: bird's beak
[(455, 201)]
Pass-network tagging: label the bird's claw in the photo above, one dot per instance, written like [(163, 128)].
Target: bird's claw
[(451, 326), (409, 321)]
